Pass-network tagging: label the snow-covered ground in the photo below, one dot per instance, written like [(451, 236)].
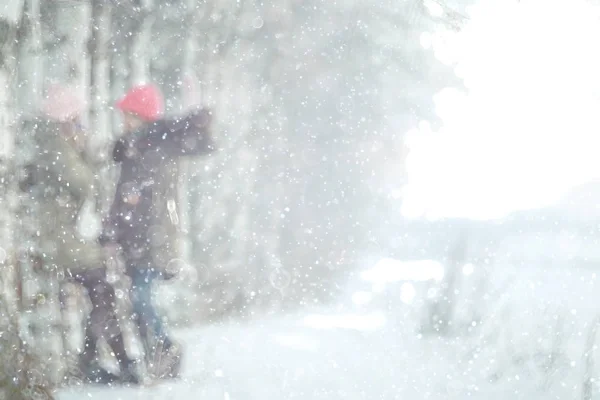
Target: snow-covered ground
[(282, 358), (530, 346)]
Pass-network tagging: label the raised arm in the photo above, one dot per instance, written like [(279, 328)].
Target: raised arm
[(181, 136)]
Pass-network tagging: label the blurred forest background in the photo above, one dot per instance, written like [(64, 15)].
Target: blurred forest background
[(311, 101), (316, 106)]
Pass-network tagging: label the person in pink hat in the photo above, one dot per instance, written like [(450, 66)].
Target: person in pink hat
[(62, 181), (150, 142)]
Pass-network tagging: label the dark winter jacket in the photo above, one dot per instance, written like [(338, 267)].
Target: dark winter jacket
[(136, 219)]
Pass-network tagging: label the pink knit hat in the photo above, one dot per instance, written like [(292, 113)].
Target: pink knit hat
[(62, 103)]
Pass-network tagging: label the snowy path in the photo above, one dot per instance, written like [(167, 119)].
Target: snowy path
[(283, 358)]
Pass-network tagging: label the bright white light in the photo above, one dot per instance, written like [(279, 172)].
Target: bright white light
[(407, 293), (426, 40), (525, 132), (389, 270), (434, 8), (361, 298), (468, 269), (368, 322), (296, 342), (378, 287), (396, 193)]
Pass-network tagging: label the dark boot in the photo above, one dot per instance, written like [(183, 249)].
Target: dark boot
[(168, 363), (101, 376), (131, 373), (92, 372)]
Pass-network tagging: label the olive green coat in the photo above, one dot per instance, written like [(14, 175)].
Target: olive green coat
[(63, 182)]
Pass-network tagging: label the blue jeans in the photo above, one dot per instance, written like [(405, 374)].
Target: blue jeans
[(141, 301)]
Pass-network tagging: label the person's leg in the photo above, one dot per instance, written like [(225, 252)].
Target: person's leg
[(89, 353), (141, 298), (163, 356), (102, 321)]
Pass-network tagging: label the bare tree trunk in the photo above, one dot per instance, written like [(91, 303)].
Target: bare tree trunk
[(207, 67), (19, 43), (100, 75), (100, 121), (441, 309), (118, 69), (41, 327), (31, 65), (121, 28), (66, 33), (187, 85), (10, 16), (68, 58), (118, 84), (139, 45), (30, 75)]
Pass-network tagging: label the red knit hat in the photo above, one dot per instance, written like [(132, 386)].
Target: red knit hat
[(145, 101)]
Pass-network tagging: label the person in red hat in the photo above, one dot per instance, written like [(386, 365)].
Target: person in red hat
[(61, 181), (148, 144)]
